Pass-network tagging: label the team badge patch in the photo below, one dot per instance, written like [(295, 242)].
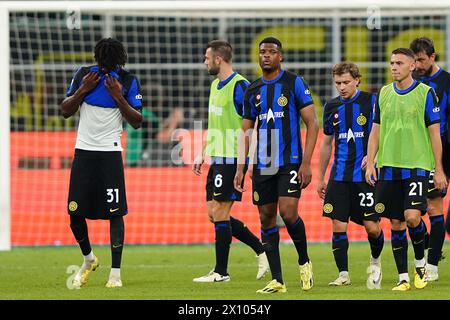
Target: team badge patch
[(328, 208), (282, 101), (73, 206), (361, 120), (256, 196), (379, 208)]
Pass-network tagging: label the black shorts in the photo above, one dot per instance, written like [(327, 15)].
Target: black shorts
[(269, 185), (97, 185), (350, 200), (393, 197), (220, 183), (434, 193)]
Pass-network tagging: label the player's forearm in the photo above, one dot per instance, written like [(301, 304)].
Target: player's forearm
[(325, 155), (244, 143), (372, 147), (435, 138), (131, 115), (70, 105), (312, 130)]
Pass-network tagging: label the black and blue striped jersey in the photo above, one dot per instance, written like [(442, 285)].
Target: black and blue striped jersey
[(277, 104), (440, 82), (350, 122)]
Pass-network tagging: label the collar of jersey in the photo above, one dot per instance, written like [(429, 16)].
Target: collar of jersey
[(351, 100), (223, 83), (425, 78), (274, 80), (112, 73), (405, 91)]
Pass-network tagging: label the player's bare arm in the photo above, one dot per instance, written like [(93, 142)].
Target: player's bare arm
[(440, 180), (372, 149), (308, 115), (325, 155), (243, 146), (70, 105), (132, 115), (253, 146), (199, 160)]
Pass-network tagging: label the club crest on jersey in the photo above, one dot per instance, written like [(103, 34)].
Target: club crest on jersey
[(256, 196), (282, 101), (361, 120)]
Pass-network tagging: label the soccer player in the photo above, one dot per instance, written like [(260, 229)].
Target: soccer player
[(405, 133), (224, 122), (278, 100), (348, 119), (437, 78), (106, 94)]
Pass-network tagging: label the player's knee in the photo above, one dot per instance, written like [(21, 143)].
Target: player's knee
[(398, 225), (289, 213), (413, 221), (267, 221), (435, 207)]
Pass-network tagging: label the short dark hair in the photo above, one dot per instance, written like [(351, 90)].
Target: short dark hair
[(221, 48), (271, 40), (110, 54), (347, 67), (422, 44), (405, 51)]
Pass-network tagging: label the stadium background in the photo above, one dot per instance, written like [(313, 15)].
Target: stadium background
[(166, 201)]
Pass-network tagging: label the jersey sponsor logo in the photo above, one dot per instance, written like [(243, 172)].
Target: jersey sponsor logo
[(368, 214), (436, 110), (432, 189), (307, 92), (336, 123), (113, 210), (257, 104), (291, 191), (351, 135), (282, 101), (414, 203), (138, 97), (73, 206), (216, 194), (271, 115), (328, 208), (361, 120), (216, 109)]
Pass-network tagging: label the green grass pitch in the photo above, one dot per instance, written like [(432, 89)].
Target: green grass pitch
[(166, 272)]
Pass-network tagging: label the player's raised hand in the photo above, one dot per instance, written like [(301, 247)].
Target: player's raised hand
[(304, 175), (89, 81), (238, 180), (197, 165), (371, 175), (113, 86), (321, 188)]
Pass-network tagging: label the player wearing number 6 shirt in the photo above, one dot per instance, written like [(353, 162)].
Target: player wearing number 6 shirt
[(348, 120), (405, 133), (105, 94), (224, 123), (278, 100)]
